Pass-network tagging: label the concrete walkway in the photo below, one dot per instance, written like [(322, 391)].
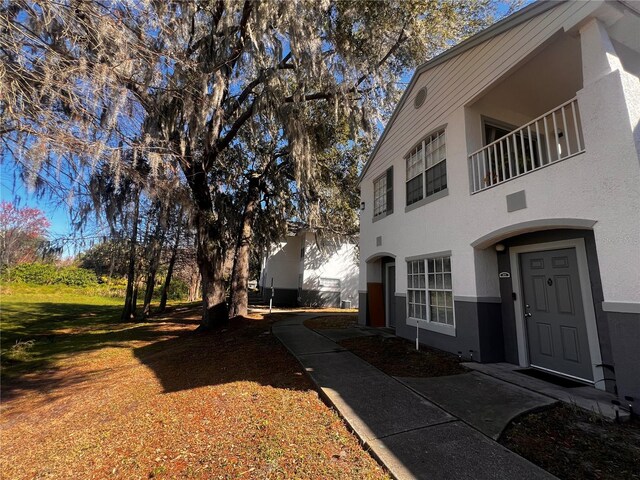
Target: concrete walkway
[(412, 436)]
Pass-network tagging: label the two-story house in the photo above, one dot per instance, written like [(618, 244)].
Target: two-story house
[(304, 269), (501, 206)]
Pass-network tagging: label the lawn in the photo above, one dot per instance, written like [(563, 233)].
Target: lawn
[(41, 323), (95, 398)]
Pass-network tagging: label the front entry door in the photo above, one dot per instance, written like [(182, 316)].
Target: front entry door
[(554, 313), (390, 295)]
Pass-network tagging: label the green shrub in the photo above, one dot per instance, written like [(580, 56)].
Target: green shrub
[(49, 274), (178, 290)]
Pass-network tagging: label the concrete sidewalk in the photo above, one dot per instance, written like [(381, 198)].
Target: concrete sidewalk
[(408, 433)]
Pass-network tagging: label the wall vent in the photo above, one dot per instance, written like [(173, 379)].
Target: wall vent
[(420, 97)]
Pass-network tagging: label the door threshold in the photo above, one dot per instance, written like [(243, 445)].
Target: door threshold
[(556, 378)]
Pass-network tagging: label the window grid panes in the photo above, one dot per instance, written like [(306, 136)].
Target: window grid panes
[(415, 167), (416, 289), (436, 165), (440, 291), (435, 149), (433, 300), (380, 196), (437, 178), (427, 168)]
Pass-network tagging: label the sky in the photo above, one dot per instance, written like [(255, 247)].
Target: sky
[(12, 189)]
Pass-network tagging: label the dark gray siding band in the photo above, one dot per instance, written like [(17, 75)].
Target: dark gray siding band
[(624, 330)]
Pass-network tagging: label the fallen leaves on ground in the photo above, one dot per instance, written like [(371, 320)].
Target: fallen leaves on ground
[(167, 403), (574, 444), (331, 321)]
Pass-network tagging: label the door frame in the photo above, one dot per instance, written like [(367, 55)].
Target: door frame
[(387, 293), (587, 300)]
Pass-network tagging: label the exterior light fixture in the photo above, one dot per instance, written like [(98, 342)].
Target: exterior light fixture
[(361, 205), (500, 247)]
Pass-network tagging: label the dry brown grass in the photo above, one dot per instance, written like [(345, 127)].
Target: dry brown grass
[(163, 402)]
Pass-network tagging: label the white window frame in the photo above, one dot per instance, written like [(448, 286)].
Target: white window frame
[(330, 284), (432, 138), (420, 152), (429, 323), (415, 157), (376, 210)]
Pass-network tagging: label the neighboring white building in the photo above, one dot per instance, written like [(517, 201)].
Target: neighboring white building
[(502, 202), (305, 270)]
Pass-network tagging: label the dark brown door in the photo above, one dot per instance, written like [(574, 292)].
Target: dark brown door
[(554, 313), (390, 296), (375, 304)]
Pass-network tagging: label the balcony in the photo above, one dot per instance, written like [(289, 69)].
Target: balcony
[(548, 139)]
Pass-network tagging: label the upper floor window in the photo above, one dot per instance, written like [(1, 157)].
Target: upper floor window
[(383, 194), (427, 168)]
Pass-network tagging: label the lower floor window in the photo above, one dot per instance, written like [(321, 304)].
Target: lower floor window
[(429, 290)]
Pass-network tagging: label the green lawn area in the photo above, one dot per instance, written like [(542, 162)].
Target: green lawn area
[(43, 323)]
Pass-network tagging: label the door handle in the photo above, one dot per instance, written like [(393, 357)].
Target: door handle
[(527, 314)]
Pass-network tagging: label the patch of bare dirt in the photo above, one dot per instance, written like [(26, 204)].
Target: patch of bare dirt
[(398, 357), (331, 321), (574, 444)]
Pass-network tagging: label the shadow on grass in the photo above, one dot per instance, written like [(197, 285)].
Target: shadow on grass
[(39, 338), (167, 344), (244, 351)]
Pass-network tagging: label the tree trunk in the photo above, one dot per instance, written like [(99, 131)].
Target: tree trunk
[(194, 287), (129, 310), (240, 275), (215, 311), (211, 260), (172, 262), (209, 248), (156, 250)]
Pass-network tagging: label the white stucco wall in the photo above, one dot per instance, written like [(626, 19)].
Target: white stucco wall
[(601, 184), (282, 264), (322, 259), (336, 260)]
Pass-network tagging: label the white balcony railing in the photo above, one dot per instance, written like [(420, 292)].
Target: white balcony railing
[(554, 136)]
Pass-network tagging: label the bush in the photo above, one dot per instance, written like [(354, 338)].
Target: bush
[(48, 274), (178, 290)]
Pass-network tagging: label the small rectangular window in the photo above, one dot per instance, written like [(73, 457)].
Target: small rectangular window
[(383, 194), (330, 283), (415, 167)]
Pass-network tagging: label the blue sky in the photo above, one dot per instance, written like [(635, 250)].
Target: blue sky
[(16, 191), (12, 189)]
